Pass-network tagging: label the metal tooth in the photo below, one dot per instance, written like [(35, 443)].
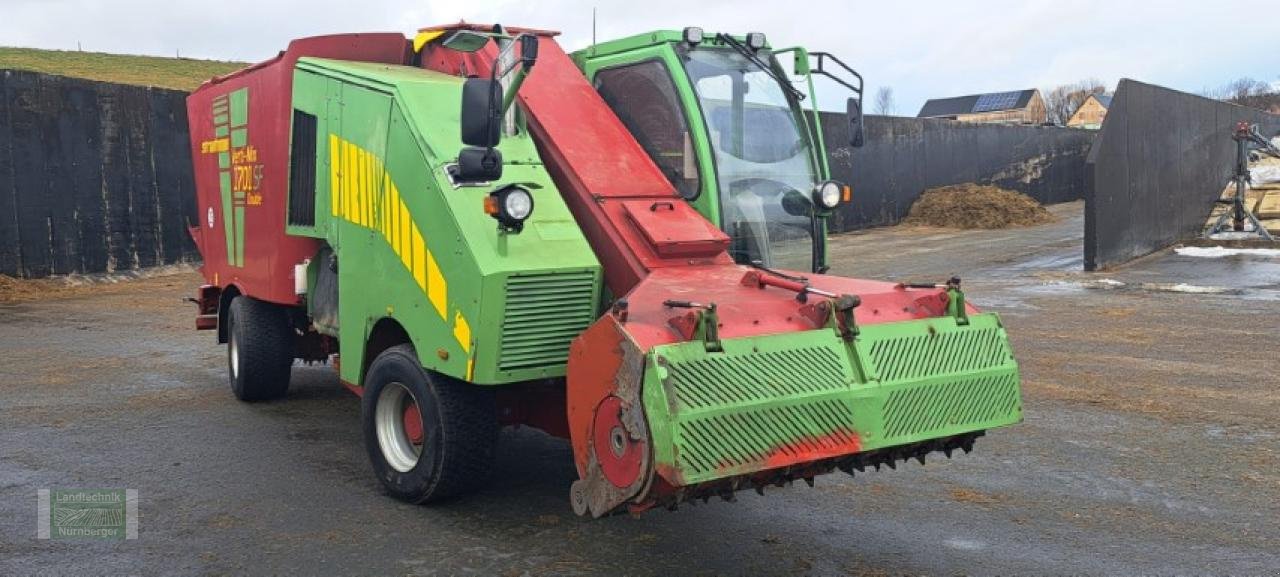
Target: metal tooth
[(947, 451), (760, 490), (809, 480), (920, 457)]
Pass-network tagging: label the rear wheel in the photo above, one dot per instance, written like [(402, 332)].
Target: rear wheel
[(429, 437), (259, 349)]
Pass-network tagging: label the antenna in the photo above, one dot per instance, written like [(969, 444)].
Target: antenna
[(593, 26)]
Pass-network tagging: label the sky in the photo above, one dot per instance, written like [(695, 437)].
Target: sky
[(921, 49)]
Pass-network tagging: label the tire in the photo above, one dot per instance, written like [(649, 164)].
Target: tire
[(259, 349), (457, 425)]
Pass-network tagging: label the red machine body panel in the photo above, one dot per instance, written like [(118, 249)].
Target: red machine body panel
[(653, 245), (240, 130), (597, 163)]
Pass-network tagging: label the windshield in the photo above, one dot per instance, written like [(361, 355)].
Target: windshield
[(762, 158)]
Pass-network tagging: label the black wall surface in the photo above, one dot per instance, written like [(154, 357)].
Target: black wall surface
[(97, 177), (94, 177), (1162, 159), (903, 157)]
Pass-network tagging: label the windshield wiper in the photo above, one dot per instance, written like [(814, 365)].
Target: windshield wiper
[(750, 55)]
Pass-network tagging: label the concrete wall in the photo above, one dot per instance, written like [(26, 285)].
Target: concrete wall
[(94, 177), (904, 156), (1162, 159)]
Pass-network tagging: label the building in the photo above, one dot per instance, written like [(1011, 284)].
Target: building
[(1016, 107), (1091, 112)]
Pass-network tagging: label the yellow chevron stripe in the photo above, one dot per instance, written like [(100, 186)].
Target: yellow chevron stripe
[(406, 254), (437, 289), (348, 165), (462, 332), (334, 193), (362, 192), (362, 162), (419, 258)]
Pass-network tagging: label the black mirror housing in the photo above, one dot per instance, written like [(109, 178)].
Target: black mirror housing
[(481, 112), (853, 114), (528, 50), (476, 164), (795, 203)]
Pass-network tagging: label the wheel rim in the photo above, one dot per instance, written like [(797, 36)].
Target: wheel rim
[(398, 423), (234, 348)]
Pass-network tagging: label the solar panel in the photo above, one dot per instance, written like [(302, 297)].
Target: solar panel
[(997, 101)]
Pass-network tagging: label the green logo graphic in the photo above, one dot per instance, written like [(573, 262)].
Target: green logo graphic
[(88, 514)]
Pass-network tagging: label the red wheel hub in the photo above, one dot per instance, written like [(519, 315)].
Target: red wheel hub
[(619, 455), (413, 423)]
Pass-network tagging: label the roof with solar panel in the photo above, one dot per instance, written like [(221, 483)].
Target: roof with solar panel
[(976, 104)]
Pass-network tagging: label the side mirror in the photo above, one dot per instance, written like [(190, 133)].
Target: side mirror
[(795, 203), (528, 51), (477, 164), (481, 112), (853, 114)]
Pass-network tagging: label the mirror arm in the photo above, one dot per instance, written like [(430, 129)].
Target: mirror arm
[(510, 97)]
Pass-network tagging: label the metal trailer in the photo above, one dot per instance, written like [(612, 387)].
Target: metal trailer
[(394, 232)]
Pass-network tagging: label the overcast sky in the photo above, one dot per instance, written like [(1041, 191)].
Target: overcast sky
[(920, 49)]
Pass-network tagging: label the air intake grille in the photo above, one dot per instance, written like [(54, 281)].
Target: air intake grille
[(738, 410), (544, 313), (746, 438), (943, 353), (916, 410), (727, 380)]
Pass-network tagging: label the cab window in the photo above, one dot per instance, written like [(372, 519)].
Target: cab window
[(645, 99)]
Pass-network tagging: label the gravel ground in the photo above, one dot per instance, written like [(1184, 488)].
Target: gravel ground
[(1149, 447)]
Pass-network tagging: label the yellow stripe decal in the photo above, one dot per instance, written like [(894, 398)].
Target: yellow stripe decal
[(333, 173), (363, 193), (462, 332), (437, 289), (419, 258)]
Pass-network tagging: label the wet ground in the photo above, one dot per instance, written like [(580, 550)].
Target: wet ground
[(1151, 445)]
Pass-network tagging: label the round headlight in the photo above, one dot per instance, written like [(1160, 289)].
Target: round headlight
[(511, 205), (828, 194), (518, 204)]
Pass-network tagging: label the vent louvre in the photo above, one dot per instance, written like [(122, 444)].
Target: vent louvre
[(742, 409), (544, 313), (916, 410), (926, 355), (302, 170)]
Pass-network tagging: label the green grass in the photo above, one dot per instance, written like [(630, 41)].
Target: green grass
[(176, 73)]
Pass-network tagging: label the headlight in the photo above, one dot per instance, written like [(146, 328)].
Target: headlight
[(827, 195), (511, 205), (755, 40), (692, 35)]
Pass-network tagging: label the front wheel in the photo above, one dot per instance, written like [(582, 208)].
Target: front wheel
[(428, 437)]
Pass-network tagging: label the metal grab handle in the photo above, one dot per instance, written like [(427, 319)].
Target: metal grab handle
[(654, 207)]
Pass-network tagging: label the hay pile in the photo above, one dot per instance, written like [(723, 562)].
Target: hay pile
[(15, 290), (976, 206)]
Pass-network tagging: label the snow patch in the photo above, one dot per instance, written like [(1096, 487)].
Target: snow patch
[(1186, 288), (1221, 251)]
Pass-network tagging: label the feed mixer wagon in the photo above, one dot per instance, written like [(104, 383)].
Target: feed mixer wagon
[(464, 228)]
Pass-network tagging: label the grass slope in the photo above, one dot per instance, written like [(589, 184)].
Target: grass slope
[(176, 73)]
